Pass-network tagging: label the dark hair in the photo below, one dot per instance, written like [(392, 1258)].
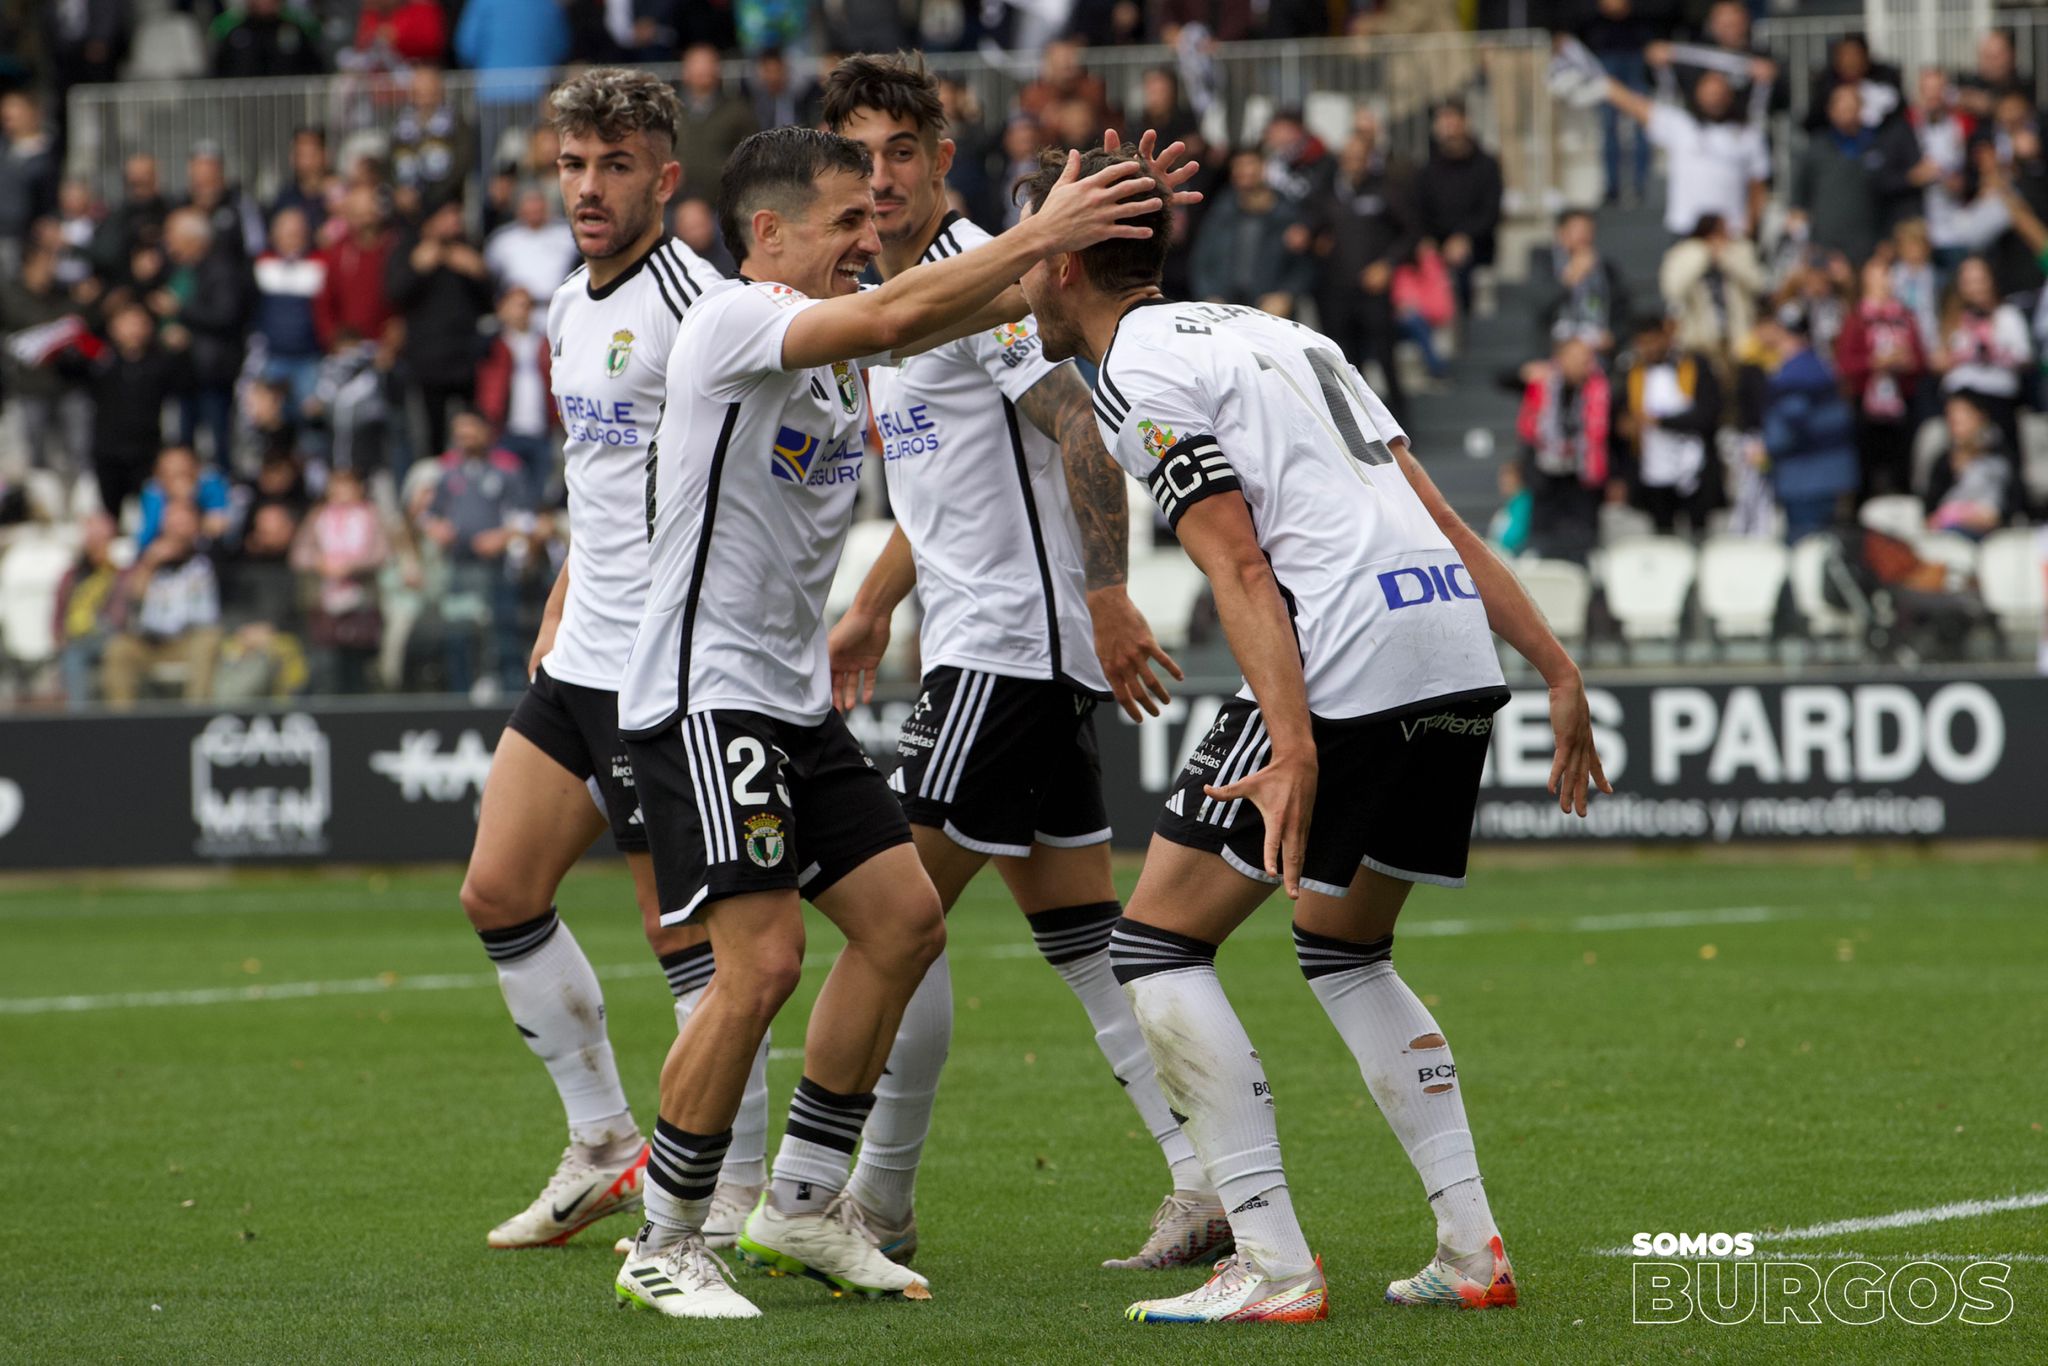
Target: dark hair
[(1577, 211), (1115, 264), (1709, 225), (780, 165), (310, 130), (615, 102), (897, 85), (1455, 102)]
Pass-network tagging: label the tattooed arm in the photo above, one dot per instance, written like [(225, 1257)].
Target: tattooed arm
[(1059, 406)]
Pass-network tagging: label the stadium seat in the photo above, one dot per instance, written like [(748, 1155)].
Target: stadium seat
[(1561, 591), (167, 47), (2014, 582), (1930, 444), (1740, 581), (1896, 514), (1956, 554), (1809, 570), (1620, 522), (1165, 585), (30, 571), (1646, 579)]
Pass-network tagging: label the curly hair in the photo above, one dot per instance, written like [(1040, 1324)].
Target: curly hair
[(615, 102)]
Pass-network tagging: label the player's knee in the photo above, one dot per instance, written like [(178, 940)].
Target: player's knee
[(759, 986), (491, 905), (924, 933)]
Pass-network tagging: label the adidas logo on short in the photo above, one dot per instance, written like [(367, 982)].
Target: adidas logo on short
[(1177, 803)]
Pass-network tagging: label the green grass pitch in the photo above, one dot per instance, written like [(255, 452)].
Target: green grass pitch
[(1647, 1045)]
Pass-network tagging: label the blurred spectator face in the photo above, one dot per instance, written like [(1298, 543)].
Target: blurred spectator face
[(1022, 139), (2013, 112), (1355, 159), (138, 177), (908, 172), (1366, 125), (38, 271), (180, 527), (205, 180), (696, 225), (1575, 233), (1247, 173), (74, 199), (177, 471), (1915, 247), (1653, 345), (363, 210), (132, 328), (309, 154), (1877, 281), (264, 405), (1845, 110), (1714, 95), (471, 435), (771, 72), (99, 538), (288, 232), (1728, 24), (1284, 137), (1161, 94), (344, 486), (273, 528), (445, 223), (277, 474), (533, 208), (1994, 57), (1061, 65), (1073, 124), (1574, 362), (700, 71), (1450, 127), (427, 90), (187, 237), (1975, 285), (1932, 89), (515, 310), (19, 117), (1966, 424), (1851, 59)]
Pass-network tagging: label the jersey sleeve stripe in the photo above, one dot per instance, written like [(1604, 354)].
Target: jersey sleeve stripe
[(1108, 417), (1116, 395), (661, 283), (687, 283)]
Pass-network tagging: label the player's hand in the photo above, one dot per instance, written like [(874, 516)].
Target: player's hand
[(1576, 762), (1127, 649), (1083, 210), (542, 643), (1167, 167), (856, 647), (1284, 791)]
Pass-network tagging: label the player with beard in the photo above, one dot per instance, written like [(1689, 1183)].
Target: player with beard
[(1012, 524), (755, 793), (1357, 603), (561, 773)]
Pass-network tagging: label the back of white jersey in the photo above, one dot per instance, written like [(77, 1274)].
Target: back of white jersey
[(750, 490), (1204, 399), (609, 369), (982, 495)]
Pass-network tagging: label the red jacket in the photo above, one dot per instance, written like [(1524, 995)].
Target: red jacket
[(353, 294), (416, 30), (1853, 346), (494, 383), (1541, 430)]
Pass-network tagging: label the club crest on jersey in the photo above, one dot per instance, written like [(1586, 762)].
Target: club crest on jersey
[(849, 385), (1157, 436), (762, 835), (620, 351)]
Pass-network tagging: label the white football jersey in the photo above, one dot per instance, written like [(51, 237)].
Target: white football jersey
[(1204, 399), (982, 495), (609, 369), (750, 491)]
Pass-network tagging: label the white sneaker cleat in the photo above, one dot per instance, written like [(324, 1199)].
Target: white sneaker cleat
[(835, 1246), (1449, 1281), (730, 1206), (1189, 1229), (582, 1191), (1241, 1293), (897, 1242), (685, 1280)]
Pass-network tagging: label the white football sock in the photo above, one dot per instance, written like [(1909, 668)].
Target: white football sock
[(1075, 940), (556, 1003), (817, 1147), (1209, 1072), (746, 1161), (892, 1144), (1408, 1068)]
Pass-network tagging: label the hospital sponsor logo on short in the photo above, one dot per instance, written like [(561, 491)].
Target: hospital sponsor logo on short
[(762, 837), (920, 728), (1724, 1282)]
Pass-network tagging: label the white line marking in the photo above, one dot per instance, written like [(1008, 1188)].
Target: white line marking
[(1905, 1218), (465, 981)]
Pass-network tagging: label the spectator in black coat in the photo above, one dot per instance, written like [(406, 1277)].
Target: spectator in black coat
[(209, 292), (130, 383), (265, 38), (1879, 93), (1364, 230), (439, 283), (1460, 199), (1589, 299), (136, 222), (28, 174), (1241, 253)]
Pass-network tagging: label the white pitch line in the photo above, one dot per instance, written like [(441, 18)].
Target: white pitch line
[(1870, 1223), (465, 981)]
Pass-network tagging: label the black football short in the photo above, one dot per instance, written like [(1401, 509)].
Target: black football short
[(1001, 763), (578, 728), (1395, 793), (739, 802)]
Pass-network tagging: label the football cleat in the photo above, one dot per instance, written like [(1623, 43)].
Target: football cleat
[(1187, 1230), (1241, 1293), (730, 1205), (1445, 1283), (685, 1280), (897, 1242), (580, 1193), (836, 1247)]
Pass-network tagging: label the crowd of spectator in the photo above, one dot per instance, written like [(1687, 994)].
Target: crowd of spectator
[(311, 433)]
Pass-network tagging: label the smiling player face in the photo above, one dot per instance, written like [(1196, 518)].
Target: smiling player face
[(613, 191), (826, 245)]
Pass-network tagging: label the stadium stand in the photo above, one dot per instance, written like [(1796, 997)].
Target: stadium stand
[(1412, 175)]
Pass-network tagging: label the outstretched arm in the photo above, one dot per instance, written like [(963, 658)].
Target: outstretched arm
[(1514, 617), (1632, 103), (1059, 406)]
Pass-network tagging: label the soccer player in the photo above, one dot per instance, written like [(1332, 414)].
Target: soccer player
[(753, 790), (998, 758), (561, 773), (1357, 604)]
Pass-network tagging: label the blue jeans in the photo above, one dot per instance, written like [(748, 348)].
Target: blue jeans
[(301, 374), (1416, 328), (1630, 69)]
